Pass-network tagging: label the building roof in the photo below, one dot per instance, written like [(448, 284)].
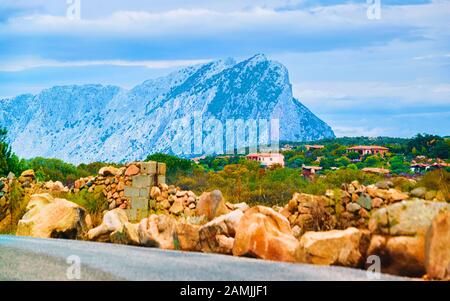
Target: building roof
[(266, 155), (376, 170), (312, 167), (315, 146), (367, 147)]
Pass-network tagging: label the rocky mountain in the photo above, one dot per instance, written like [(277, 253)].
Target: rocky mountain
[(107, 123)]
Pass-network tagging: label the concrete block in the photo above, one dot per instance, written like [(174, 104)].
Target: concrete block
[(138, 210), (143, 181), (149, 168), (131, 191), (144, 192), (161, 168), (161, 179)]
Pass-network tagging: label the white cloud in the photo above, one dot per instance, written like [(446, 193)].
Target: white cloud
[(432, 17), (343, 131), (24, 64)]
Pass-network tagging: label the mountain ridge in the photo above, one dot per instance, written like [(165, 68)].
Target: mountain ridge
[(93, 122)]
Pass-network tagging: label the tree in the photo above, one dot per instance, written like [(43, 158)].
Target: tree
[(353, 155), (441, 150), (9, 162), (399, 165), (372, 161)]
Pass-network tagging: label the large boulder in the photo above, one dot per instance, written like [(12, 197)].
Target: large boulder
[(127, 235), (437, 250), (109, 171), (211, 204), (336, 247), (399, 255), (217, 236), (157, 231), (49, 217), (28, 174), (55, 186), (406, 218), (264, 233), (187, 236), (390, 195), (113, 221)]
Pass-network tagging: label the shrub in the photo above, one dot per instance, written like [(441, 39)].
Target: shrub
[(437, 180), (94, 203)]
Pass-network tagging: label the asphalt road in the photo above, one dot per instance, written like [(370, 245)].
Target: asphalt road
[(23, 258)]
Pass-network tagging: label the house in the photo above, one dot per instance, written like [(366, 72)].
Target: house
[(309, 171), (267, 159), (424, 167), (420, 167), (197, 159), (314, 147), (368, 150)]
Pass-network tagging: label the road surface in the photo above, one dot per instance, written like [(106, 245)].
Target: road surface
[(23, 258)]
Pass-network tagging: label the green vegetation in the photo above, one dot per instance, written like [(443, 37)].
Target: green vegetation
[(94, 202), (175, 166), (18, 203), (8, 160)]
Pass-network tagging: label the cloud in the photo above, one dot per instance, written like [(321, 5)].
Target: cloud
[(24, 64), (348, 131)]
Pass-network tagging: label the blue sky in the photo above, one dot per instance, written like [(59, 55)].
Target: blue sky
[(389, 76)]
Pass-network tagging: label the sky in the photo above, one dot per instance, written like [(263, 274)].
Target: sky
[(363, 70)]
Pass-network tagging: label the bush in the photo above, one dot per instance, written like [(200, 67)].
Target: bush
[(436, 180), (18, 201), (94, 203)]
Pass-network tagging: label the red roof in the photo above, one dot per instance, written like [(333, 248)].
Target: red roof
[(265, 155), (368, 147)]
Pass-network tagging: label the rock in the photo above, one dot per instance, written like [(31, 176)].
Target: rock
[(297, 231), (241, 206), (419, 192), (165, 204), (363, 213), (392, 195), (187, 236), (112, 221), (177, 207), (377, 203), (265, 234), (157, 231), (28, 174), (212, 233), (120, 186), (335, 247), (11, 176), (128, 235), (55, 186), (108, 171), (405, 218), (211, 204), (49, 217), (353, 207), (365, 201), (132, 170), (384, 185), (430, 195), (437, 248), (155, 192), (399, 255), (112, 205), (172, 190)]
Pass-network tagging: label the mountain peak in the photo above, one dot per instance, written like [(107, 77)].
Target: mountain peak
[(104, 123)]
